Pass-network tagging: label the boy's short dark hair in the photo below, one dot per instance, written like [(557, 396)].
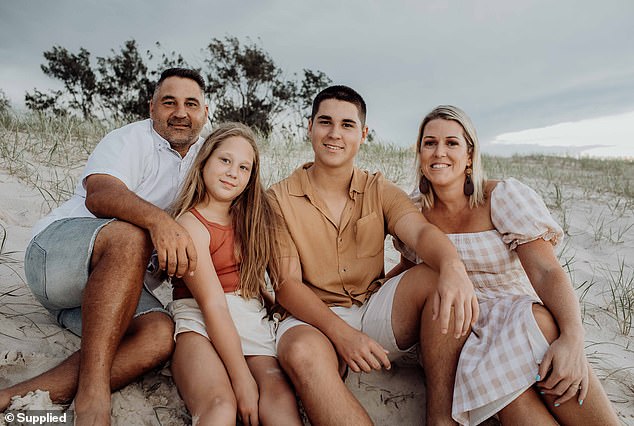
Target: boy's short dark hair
[(340, 93), (182, 73)]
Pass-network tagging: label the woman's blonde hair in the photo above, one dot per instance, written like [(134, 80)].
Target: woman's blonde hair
[(252, 216), (450, 112)]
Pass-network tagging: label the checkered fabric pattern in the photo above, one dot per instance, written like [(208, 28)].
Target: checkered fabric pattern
[(500, 358)]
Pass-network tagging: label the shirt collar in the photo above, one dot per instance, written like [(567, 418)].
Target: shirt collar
[(300, 186)]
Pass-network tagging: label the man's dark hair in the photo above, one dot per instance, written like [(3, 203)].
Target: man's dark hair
[(182, 73), (340, 93)]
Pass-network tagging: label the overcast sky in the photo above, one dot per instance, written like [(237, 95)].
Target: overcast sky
[(511, 65)]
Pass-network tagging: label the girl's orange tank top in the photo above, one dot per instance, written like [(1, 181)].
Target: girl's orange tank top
[(221, 249)]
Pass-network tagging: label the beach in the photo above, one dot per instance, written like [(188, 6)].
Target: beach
[(598, 253)]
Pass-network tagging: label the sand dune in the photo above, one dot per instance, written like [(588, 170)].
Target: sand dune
[(31, 341)]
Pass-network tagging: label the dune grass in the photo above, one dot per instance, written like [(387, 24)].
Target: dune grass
[(6, 257)]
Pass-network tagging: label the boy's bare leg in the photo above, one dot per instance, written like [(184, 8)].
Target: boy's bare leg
[(311, 362), (412, 322)]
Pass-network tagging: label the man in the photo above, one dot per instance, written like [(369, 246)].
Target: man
[(87, 259), (334, 221)]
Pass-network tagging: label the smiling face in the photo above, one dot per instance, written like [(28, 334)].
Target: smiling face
[(336, 133), (178, 112), (228, 169), (444, 153)]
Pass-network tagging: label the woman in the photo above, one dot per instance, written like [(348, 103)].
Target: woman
[(524, 359)]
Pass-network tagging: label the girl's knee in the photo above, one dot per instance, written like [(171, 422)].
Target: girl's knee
[(217, 409), (546, 322)]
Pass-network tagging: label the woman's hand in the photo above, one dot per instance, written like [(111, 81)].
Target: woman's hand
[(564, 370), (247, 397)]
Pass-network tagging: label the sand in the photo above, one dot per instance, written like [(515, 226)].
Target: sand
[(32, 342)]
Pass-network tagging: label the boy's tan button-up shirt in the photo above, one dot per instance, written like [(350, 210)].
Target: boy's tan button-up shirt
[(341, 262)]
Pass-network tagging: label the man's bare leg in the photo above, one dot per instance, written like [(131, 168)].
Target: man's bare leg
[(119, 261), (311, 363), (412, 322), (147, 344), (527, 410), (596, 408)]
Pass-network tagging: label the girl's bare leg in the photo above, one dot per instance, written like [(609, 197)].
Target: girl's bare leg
[(202, 381), (278, 404)]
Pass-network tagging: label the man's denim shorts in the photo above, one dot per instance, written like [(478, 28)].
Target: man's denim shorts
[(57, 266)]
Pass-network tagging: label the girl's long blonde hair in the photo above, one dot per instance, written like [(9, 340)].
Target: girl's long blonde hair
[(252, 216)]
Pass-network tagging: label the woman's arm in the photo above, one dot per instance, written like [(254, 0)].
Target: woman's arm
[(565, 357), (207, 290)]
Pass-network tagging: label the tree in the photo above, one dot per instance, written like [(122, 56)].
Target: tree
[(313, 83), (126, 84), (77, 76), (45, 103), (167, 60), (246, 85), (124, 87)]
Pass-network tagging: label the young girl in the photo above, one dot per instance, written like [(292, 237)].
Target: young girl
[(224, 361)]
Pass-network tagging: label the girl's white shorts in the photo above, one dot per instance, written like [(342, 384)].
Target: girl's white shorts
[(249, 316)]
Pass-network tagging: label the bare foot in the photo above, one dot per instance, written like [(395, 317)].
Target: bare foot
[(92, 410), (92, 419), (5, 399)]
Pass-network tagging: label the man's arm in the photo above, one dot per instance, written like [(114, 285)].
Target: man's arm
[(454, 289), (358, 350), (107, 196)]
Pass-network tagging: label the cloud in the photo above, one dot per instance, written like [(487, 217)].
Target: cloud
[(510, 65)]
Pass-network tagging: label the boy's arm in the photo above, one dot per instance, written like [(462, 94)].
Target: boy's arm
[(358, 350), (107, 196), (454, 289)]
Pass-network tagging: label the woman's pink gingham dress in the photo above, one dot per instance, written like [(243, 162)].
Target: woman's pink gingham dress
[(500, 358)]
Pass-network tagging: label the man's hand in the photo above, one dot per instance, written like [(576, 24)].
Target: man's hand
[(359, 351), (455, 293), (175, 248), (107, 196)]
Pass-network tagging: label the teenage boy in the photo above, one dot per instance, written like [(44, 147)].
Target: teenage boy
[(343, 312)]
